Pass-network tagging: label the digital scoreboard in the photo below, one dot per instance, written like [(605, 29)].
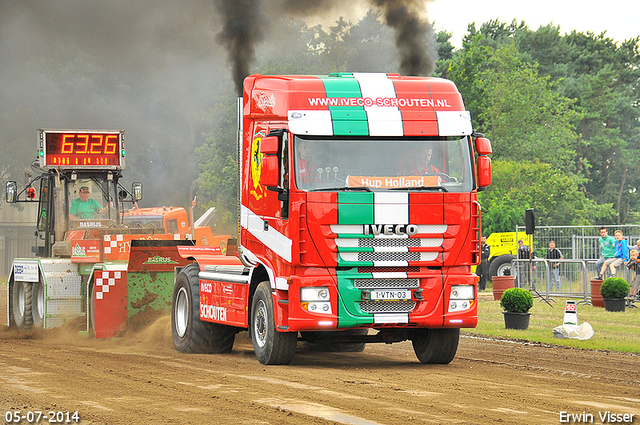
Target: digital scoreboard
[(81, 149)]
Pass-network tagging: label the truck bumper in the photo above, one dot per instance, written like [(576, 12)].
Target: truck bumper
[(430, 305)]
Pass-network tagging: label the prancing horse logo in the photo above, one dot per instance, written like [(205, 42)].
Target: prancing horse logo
[(256, 166)]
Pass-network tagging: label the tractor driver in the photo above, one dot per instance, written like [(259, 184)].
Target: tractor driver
[(84, 208)]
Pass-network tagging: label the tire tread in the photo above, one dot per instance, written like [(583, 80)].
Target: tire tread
[(201, 337), (436, 346), (280, 346)]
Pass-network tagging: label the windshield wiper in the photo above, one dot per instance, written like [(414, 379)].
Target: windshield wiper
[(421, 188), (342, 189)]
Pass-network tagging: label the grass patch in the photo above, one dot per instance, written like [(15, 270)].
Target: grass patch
[(612, 331)]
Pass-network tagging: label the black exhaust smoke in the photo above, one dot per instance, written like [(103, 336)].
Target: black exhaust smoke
[(240, 32), (243, 20), (415, 38)]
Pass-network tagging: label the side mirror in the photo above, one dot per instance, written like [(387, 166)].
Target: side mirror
[(11, 194), (270, 172), (270, 164), (483, 146), (270, 145), (136, 191), (484, 172)]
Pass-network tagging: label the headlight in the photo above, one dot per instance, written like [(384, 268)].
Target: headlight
[(316, 299), (461, 297), (314, 293), (462, 292)]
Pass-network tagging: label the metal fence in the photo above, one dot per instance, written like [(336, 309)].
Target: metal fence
[(570, 279), (580, 249), (576, 242)]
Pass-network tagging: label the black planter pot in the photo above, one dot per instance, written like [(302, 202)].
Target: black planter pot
[(614, 304), (516, 320)]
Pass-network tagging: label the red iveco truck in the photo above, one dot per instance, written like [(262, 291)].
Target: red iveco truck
[(358, 221)]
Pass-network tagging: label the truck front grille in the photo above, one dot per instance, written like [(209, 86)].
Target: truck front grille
[(386, 257), (355, 247), (386, 283), (387, 306)]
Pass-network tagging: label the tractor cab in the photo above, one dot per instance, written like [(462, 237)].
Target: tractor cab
[(74, 206), (77, 190)]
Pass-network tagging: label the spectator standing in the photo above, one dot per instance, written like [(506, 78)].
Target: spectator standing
[(483, 267), (524, 253), (554, 253), (634, 266), (607, 250)]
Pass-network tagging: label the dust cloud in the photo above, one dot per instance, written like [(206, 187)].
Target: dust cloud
[(152, 68), (147, 67)]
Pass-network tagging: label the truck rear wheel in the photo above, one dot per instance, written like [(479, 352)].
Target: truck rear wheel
[(501, 265), (271, 347), (435, 346), (22, 304), (190, 334)]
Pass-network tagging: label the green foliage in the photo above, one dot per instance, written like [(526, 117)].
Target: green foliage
[(555, 195), (571, 101), (217, 184), (516, 300), (614, 287), (603, 76), (524, 117), (464, 70)]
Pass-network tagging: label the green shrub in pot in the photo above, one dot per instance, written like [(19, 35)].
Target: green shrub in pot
[(516, 300), (614, 287)]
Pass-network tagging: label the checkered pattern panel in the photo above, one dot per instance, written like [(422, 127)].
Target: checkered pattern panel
[(111, 243), (104, 281)]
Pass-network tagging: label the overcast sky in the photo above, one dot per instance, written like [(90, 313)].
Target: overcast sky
[(620, 19), (152, 67)]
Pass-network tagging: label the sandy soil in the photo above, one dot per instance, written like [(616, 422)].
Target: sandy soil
[(140, 378)]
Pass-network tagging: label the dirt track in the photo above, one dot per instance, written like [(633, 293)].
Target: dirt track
[(141, 379)]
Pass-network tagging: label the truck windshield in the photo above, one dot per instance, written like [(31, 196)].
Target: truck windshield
[(357, 163)]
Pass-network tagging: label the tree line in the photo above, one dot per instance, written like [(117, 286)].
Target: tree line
[(562, 112)]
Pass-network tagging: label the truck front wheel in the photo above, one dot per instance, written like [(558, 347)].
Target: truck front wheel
[(22, 304), (501, 265), (435, 346), (190, 334), (271, 347)]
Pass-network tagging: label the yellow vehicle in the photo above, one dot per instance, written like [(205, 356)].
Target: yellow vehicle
[(504, 248)]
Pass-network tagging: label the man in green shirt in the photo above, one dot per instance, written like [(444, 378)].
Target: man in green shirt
[(608, 248), (84, 208)]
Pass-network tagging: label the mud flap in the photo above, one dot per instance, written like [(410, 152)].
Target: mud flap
[(109, 294)]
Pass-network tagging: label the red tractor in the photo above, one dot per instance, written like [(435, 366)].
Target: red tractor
[(86, 236)]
